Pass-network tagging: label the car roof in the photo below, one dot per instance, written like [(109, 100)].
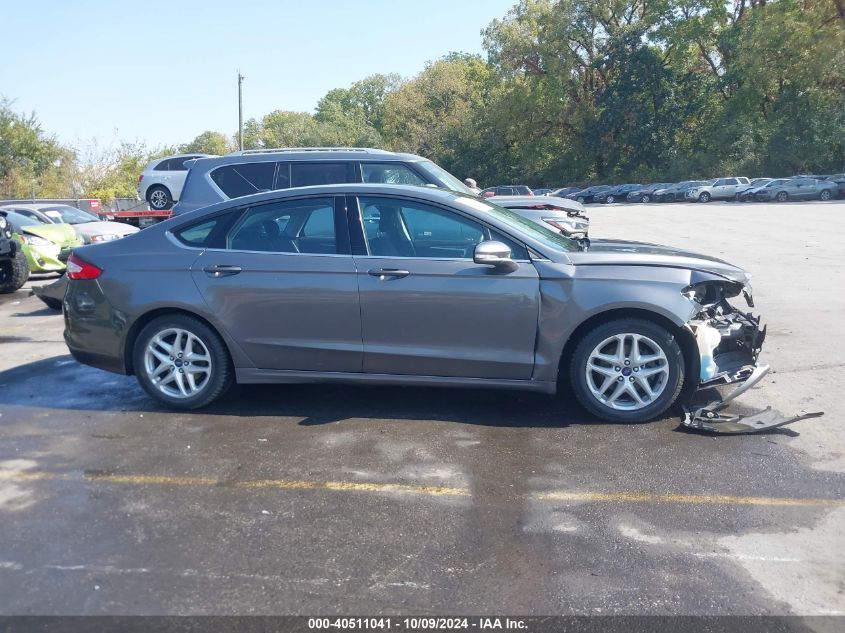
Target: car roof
[(38, 206), (315, 154)]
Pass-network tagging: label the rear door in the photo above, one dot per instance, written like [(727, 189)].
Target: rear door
[(426, 308), (284, 286)]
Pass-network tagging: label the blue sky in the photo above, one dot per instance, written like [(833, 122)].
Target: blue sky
[(162, 72)]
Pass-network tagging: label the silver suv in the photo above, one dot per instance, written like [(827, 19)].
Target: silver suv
[(248, 172), (160, 184)]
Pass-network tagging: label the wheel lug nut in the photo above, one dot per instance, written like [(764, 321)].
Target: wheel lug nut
[(636, 369), (620, 379), (631, 379), (171, 358), (617, 368), (180, 354), (627, 362), (182, 371)]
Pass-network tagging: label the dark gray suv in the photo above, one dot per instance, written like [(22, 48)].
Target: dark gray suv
[(239, 174)]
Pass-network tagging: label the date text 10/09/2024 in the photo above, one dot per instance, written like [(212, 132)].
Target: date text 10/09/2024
[(417, 623)]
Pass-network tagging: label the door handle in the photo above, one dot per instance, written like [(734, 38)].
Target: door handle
[(222, 270), (383, 273)]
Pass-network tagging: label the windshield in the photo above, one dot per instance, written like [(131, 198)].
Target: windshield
[(548, 237), (446, 179), (69, 215), (21, 220)]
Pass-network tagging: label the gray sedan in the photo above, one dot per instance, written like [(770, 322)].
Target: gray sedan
[(795, 189), (394, 285)]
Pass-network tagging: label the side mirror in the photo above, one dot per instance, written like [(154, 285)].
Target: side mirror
[(492, 253)]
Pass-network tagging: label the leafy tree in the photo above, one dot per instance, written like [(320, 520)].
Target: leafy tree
[(208, 143)]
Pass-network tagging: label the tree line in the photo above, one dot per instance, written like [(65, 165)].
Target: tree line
[(570, 91)]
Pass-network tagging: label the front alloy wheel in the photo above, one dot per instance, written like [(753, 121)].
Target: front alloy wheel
[(825, 195), (704, 197), (627, 371), (782, 196), (611, 200), (646, 198)]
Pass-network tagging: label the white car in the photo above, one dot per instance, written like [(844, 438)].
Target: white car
[(160, 184), (88, 226), (719, 189)]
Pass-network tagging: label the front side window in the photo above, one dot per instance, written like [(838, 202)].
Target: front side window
[(244, 179), (208, 233), (305, 174), (390, 173), (406, 228), (294, 226)]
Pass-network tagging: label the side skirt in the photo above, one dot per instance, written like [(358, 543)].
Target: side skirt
[(278, 376)]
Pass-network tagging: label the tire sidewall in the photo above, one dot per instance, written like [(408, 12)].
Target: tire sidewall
[(704, 197), (646, 199), (665, 339), (221, 370), (15, 273), (167, 204), (782, 196)]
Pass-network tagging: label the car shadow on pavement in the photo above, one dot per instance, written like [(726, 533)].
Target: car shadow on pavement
[(62, 384)]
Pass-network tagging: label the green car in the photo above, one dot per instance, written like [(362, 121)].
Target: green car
[(46, 246)]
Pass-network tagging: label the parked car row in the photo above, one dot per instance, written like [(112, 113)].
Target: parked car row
[(737, 188), (46, 234)]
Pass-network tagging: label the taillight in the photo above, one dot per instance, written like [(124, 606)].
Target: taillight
[(140, 178), (78, 269)]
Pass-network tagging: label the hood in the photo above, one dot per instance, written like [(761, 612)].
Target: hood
[(623, 253), (61, 234), (87, 229)]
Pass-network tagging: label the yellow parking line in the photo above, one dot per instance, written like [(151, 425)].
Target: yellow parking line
[(437, 491), (649, 497)]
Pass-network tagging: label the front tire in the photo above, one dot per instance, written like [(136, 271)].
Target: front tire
[(159, 198), (646, 198), (704, 197), (825, 195), (782, 196), (13, 273), (181, 362), (580, 199), (628, 370)]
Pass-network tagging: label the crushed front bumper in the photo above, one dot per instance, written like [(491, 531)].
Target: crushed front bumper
[(729, 343)]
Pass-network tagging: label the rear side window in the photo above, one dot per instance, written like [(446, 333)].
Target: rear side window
[(244, 179), (305, 174), (163, 166), (178, 164), (390, 173), (295, 226), (210, 233)]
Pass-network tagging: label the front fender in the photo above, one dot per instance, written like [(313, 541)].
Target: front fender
[(572, 295)]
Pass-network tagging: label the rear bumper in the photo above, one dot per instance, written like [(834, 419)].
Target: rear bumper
[(94, 331)]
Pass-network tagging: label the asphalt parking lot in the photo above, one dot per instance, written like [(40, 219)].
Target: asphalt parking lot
[(328, 499)]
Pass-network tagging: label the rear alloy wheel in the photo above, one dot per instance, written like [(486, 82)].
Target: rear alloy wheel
[(825, 195), (611, 200), (782, 196), (630, 370), (14, 273), (704, 197), (159, 198), (182, 362), (646, 198)]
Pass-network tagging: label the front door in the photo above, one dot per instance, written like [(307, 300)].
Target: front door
[(427, 309), (285, 286)]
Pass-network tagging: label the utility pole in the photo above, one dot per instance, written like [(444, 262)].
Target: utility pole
[(240, 112)]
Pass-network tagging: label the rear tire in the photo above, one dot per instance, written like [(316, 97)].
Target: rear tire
[(646, 198), (825, 195), (610, 199), (159, 198), (665, 378), (782, 196), (199, 351), (14, 273)]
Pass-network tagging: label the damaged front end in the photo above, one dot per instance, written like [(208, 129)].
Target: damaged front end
[(729, 341)]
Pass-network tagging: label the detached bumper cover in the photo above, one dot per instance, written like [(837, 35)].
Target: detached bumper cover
[(732, 360)]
